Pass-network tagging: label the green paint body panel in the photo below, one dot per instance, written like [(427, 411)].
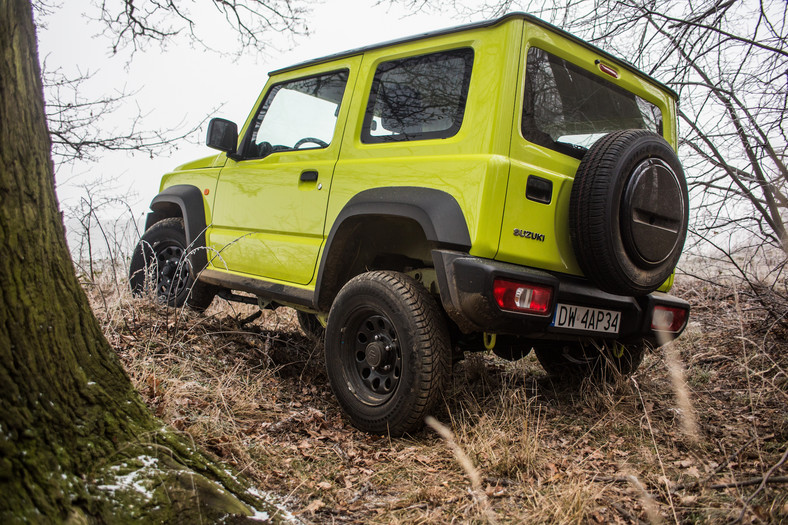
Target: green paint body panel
[(265, 222)]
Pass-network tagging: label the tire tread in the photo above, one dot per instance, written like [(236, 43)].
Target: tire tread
[(430, 343)]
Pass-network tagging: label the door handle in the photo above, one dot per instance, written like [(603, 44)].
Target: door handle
[(308, 176)]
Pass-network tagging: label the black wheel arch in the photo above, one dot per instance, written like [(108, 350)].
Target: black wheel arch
[(186, 201), (434, 215)]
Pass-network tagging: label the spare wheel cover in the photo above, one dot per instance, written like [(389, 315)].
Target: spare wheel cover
[(652, 212), (628, 212)]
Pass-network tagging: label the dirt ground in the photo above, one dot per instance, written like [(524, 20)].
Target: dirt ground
[(698, 435)]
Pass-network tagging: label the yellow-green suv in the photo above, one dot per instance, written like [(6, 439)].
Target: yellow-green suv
[(499, 185)]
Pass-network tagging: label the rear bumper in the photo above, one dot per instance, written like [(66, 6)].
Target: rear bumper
[(466, 286)]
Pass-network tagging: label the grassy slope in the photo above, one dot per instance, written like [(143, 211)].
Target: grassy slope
[(255, 394)]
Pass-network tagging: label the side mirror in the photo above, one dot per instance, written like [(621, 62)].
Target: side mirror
[(222, 135)]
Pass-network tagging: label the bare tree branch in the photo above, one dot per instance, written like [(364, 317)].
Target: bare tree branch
[(728, 60), (78, 128), (134, 24)]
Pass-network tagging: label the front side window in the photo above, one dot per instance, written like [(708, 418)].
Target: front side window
[(418, 98), (568, 108), (296, 115)]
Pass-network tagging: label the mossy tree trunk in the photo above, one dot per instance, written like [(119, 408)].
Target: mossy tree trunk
[(66, 405)]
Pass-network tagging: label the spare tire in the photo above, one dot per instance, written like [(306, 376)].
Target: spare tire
[(628, 212)]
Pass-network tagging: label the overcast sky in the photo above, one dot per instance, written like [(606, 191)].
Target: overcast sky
[(180, 85)]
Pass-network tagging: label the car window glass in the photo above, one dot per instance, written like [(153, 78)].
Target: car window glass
[(300, 114), (418, 98), (567, 108)]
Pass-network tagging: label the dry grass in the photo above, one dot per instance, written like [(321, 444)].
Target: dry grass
[(256, 395)]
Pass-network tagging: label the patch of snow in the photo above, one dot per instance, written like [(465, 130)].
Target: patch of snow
[(254, 492), (135, 480), (148, 461), (269, 499), (259, 515)]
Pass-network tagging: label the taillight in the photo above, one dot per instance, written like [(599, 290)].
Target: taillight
[(522, 297), (668, 319)]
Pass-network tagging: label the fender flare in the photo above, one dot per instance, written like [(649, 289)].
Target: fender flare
[(436, 211), (189, 201)]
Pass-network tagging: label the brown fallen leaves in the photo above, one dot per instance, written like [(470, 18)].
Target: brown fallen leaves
[(256, 395)]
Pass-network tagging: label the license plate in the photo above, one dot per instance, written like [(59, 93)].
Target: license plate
[(583, 318)]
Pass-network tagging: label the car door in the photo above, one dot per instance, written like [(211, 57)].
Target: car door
[(270, 204)]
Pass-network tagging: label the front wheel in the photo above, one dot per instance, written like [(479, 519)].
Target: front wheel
[(160, 265), (387, 352), (598, 359)]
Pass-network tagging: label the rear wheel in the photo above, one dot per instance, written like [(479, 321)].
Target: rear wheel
[(160, 266), (602, 360), (387, 352)]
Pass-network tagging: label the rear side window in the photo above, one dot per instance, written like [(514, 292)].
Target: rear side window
[(418, 98), (568, 108)]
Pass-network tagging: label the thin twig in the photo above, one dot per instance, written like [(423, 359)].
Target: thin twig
[(724, 464), (656, 449), (750, 482), (764, 480), (466, 464)]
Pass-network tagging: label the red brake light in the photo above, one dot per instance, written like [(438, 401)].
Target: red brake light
[(668, 319), (522, 297), (607, 69)]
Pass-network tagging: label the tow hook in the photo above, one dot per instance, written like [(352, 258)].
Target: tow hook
[(489, 340)]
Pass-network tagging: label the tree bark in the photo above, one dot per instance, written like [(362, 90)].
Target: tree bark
[(69, 416)]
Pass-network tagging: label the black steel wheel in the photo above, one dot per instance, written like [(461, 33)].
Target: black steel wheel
[(160, 266), (373, 365), (574, 360), (387, 352)]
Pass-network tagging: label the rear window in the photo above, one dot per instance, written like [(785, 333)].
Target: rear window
[(418, 98), (568, 108)]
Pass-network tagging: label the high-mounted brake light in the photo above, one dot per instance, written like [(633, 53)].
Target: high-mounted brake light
[(668, 319), (604, 68), (522, 297)]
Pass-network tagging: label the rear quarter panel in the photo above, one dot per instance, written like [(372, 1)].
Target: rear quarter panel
[(472, 166), (552, 220)]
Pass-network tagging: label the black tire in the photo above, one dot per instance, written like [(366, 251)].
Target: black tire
[(387, 352), (159, 266), (310, 326), (576, 360), (628, 212)]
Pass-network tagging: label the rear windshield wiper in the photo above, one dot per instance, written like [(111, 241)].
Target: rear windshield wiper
[(573, 150), (576, 147)]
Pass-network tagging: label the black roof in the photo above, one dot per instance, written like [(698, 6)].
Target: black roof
[(477, 25)]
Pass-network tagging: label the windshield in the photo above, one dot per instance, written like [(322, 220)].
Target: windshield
[(568, 108)]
